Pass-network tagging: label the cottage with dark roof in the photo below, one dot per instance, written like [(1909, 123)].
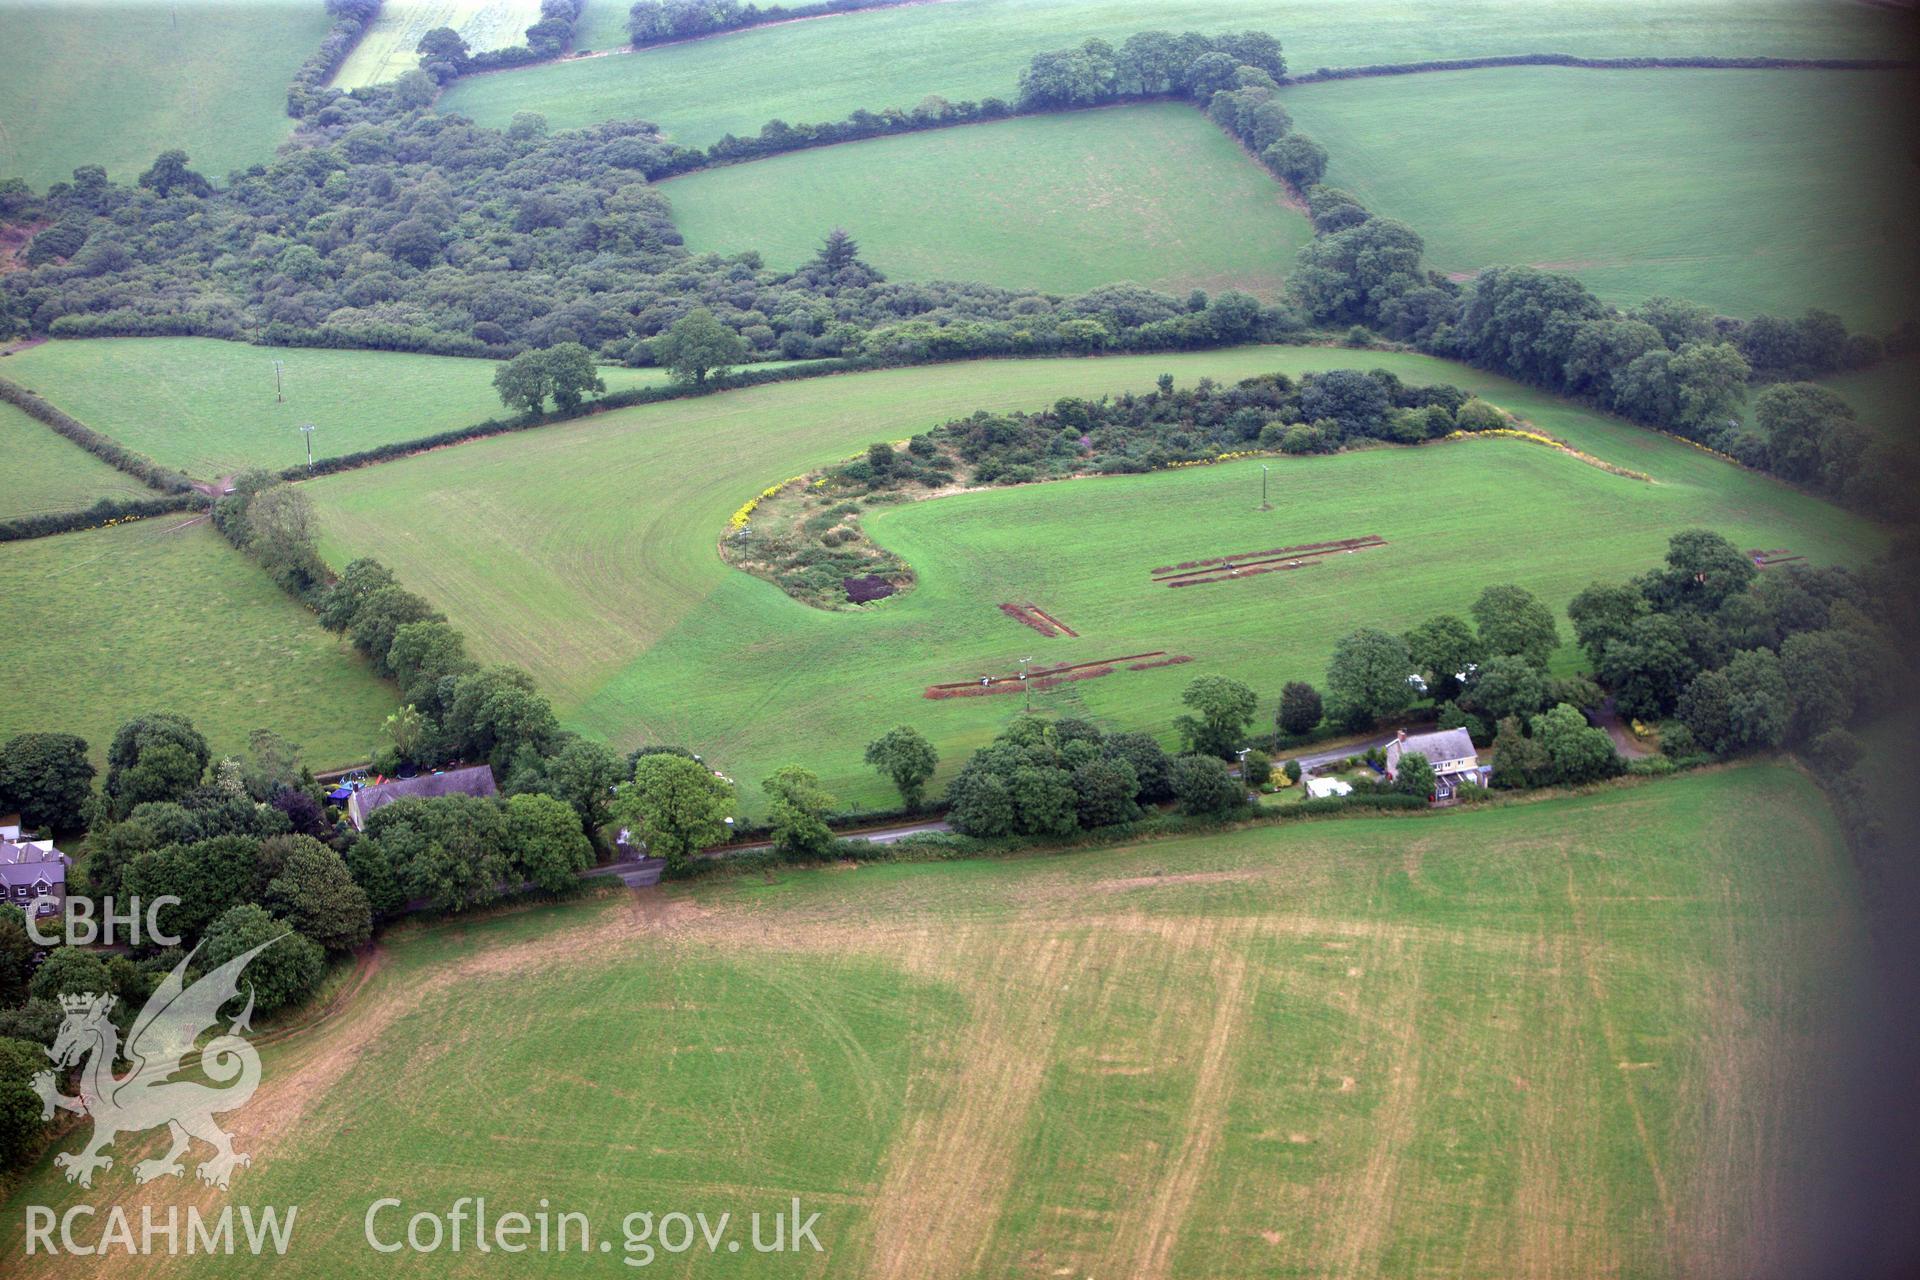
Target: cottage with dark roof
[(32, 871), (1451, 753), (476, 780)]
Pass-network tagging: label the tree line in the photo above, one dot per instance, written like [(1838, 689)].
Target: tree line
[(445, 55), (1666, 363), (651, 22)]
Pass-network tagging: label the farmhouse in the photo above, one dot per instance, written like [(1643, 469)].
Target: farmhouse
[(1451, 753), (476, 780), (31, 871)]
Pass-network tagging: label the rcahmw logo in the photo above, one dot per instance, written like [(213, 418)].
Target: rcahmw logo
[(149, 1096), (168, 1231), (175, 1016)]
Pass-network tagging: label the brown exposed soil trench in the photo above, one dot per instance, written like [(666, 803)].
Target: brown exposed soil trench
[(1229, 568), (1032, 615)]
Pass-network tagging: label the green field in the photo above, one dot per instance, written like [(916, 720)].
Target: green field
[(390, 48), (1156, 195), (46, 473), (1583, 1036), (1748, 191), (208, 408), (1885, 397), (823, 69), (151, 616), (115, 84), (616, 600)]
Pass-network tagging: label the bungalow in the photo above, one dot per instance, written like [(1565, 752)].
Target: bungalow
[(1451, 753), (476, 780), (31, 871)]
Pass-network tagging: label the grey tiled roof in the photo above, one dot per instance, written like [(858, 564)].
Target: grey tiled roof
[(22, 864), (477, 780), (1447, 744)]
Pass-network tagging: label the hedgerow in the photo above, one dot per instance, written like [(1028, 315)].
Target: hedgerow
[(105, 512), (109, 451)]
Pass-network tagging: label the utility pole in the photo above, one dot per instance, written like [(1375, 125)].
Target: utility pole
[(1026, 690), (278, 398), (1264, 504), (307, 431)]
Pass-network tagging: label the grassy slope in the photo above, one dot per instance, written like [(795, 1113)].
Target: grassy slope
[(207, 406), (1156, 195), (614, 597), (84, 82), (822, 69), (1586, 1036), (1885, 396), (46, 473), (390, 47), (151, 617), (1748, 191)]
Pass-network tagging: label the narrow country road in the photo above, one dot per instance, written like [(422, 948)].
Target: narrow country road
[(1315, 759), (637, 873)]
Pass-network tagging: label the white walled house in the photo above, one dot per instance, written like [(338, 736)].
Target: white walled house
[(1451, 753)]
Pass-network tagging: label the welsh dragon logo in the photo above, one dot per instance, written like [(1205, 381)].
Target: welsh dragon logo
[(148, 1096)]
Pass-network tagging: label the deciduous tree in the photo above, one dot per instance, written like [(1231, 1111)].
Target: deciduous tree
[(797, 809), (697, 346), (545, 846), (46, 778), (676, 805), (907, 759), (1300, 708), (160, 756), (1367, 677), (1513, 621), (1203, 786), (283, 974), (1223, 709), (1577, 751), (1443, 648), (314, 893)]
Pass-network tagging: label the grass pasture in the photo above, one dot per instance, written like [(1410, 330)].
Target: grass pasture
[(1155, 194), (1884, 397), (45, 472), (152, 616), (1748, 191), (822, 69), (613, 596), (116, 83), (1583, 1036), (207, 406), (390, 48)]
